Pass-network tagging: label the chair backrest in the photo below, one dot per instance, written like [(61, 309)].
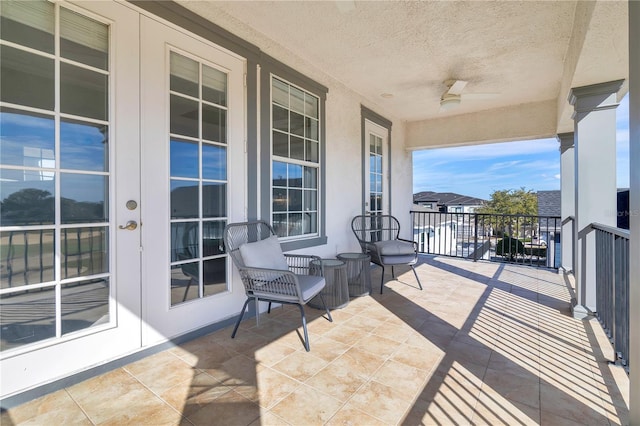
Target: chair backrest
[(372, 228), (237, 234)]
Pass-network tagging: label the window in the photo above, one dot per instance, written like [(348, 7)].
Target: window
[(198, 183), (295, 161)]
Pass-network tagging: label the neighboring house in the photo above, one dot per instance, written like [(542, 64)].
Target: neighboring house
[(448, 202), (437, 234)]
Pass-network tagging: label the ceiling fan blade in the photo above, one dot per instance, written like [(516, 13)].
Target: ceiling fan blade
[(479, 96), (457, 87)]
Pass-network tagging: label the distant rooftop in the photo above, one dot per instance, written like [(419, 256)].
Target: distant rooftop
[(446, 198), (549, 203)]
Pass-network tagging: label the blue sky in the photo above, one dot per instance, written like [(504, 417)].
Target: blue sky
[(479, 170)]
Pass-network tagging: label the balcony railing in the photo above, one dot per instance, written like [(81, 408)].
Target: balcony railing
[(529, 240), (612, 286)]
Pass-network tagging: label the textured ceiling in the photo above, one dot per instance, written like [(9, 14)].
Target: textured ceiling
[(525, 52)]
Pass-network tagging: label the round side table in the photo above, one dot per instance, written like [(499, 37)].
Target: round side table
[(358, 273), (336, 290)]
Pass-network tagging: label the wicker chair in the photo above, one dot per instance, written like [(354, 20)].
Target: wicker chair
[(269, 275), (378, 237)]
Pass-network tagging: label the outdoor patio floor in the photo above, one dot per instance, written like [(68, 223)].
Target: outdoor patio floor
[(483, 343)]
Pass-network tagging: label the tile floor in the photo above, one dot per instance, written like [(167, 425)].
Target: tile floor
[(481, 344)]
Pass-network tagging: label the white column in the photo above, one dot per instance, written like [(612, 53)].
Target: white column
[(595, 180), (634, 209), (567, 199)]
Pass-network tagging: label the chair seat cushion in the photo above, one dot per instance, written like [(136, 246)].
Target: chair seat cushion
[(394, 247), (310, 285), (265, 253)]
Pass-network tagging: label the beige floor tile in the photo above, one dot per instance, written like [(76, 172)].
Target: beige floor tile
[(365, 324), (363, 364), (345, 334), (393, 331), (377, 345), (418, 357), (575, 404), (118, 398), (515, 388), (300, 365), (381, 401), (229, 409), (337, 380), (307, 406), (494, 410), (403, 378), (350, 416), (267, 418), (165, 375), (188, 398), (327, 349), (272, 353), (55, 408), (237, 371), (271, 387)]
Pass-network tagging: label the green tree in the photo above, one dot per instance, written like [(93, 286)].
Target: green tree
[(507, 202), (512, 201)]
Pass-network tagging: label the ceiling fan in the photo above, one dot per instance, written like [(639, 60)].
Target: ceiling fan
[(452, 97)]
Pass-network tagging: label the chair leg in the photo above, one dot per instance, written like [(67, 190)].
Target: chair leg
[(269, 309), (304, 326), (393, 273), (235, 329), (325, 307), (382, 280), (416, 274), (257, 306)]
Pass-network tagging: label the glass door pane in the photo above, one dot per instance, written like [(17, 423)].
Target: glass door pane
[(198, 182), (54, 173)]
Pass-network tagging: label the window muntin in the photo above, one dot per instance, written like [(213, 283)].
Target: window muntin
[(198, 182), (295, 165), (54, 172), (375, 174)]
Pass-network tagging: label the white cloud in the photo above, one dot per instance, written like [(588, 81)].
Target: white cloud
[(557, 176)]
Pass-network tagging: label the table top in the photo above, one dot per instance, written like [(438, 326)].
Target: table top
[(329, 262), (353, 256)]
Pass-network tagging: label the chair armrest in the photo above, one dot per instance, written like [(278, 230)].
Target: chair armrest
[(415, 245), (299, 263), (270, 281)]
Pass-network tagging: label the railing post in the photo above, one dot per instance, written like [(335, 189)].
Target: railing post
[(475, 237)]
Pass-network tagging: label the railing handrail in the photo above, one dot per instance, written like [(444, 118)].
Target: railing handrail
[(567, 220), (489, 214), (624, 233)]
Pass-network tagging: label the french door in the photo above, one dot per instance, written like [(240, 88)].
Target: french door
[(121, 161), (376, 164), (69, 135), (193, 172)]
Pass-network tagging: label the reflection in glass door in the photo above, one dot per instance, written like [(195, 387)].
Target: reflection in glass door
[(198, 169), (55, 276)]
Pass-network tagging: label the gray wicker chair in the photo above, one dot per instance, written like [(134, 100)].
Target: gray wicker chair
[(269, 275), (378, 237)]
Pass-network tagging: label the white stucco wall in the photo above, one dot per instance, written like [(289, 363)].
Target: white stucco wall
[(343, 142)]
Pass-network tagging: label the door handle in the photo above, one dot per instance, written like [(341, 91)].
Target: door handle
[(130, 226)]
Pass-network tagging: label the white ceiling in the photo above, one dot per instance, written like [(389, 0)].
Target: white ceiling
[(525, 51)]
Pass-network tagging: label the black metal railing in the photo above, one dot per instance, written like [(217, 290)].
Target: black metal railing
[(612, 286), (523, 239)]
